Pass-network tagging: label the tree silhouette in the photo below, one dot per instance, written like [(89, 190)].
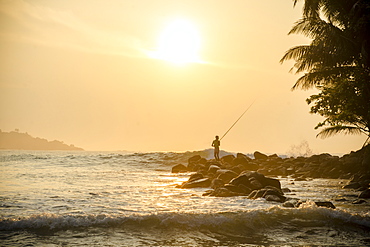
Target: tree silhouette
[(337, 62)]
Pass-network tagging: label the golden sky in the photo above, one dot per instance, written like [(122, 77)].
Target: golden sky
[(156, 75)]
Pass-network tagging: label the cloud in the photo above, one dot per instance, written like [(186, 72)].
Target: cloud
[(28, 22)]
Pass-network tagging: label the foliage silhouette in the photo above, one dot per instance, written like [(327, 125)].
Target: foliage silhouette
[(337, 62)]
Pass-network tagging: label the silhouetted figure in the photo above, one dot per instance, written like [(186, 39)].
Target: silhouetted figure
[(216, 144)]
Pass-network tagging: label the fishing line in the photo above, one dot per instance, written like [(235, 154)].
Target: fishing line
[(237, 120)]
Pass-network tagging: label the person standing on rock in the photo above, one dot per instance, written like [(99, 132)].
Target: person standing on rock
[(216, 144)]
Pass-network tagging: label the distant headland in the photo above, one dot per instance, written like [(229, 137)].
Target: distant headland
[(15, 140)]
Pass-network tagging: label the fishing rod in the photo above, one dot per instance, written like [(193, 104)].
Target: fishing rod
[(237, 120)]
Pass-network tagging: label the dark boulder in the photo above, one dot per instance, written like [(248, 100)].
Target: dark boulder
[(252, 166), (365, 194), (202, 161), (271, 182), (224, 192), (291, 203), (179, 168), (255, 180), (240, 155), (354, 185), (217, 183), (237, 169), (252, 194), (238, 189), (258, 193), (318, 158), (325, 204), (260, 156), (275, 198), (228, 159), (226, 175), (194, 159), (202, 183), (213, 169), (241, 160), (195, 176), (273, 156), (255, 184), (359, 201), (241, 179)]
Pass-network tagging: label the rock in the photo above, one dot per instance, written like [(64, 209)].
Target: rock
[(260, 156), (226, 175), (240, 155), (359, 201), (179, 168), (273, 194), (241, 179), (196, 167), (207, 193), (291, 203), (240, 160), (318, 158), (259, 193), (366, 157), (194, 159), (364, 180), (286, 190), (252, 166), (195, 176), (224, 192), (228, 159), (288, 204), (213, 169), (252, 194), (246, 190), (354, 185), (217, 183), (254, 184), (202, 161), (255, 180), (289, 171), (273, 156), (274, 198), (325, 204), (271, 182), (237, 169), (365, 194), (238, 189), (203, 183)]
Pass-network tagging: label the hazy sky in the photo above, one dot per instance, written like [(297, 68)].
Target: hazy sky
[(156, 75)]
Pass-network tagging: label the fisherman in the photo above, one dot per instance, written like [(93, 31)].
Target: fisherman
[(216, 144)]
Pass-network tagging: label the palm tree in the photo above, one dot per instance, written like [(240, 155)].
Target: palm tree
[(337, 62)]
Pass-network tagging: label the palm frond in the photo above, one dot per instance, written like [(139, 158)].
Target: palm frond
[(330, 131), (319, 77)]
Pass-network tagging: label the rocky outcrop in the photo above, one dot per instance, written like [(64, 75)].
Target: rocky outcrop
[(241, 175)]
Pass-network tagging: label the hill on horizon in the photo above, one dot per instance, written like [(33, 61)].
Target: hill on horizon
[(15, 140)]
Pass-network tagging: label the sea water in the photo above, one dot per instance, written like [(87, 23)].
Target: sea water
[(132, 199)]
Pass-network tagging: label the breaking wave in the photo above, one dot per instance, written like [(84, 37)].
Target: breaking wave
[(307, 215)]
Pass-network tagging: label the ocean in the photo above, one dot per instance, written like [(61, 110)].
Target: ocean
[(80, 198)]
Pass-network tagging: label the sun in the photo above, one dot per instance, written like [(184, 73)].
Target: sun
[(179, 43)]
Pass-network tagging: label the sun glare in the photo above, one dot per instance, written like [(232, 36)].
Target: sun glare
[(179, 43)]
